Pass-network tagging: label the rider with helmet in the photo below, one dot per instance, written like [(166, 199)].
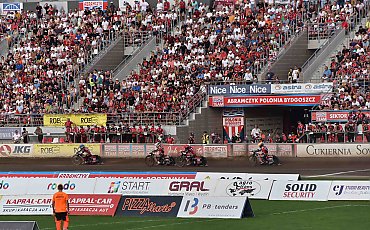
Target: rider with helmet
[(264, 152), (87, 153), (159, 148)]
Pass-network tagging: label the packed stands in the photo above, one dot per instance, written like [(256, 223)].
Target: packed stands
[(210, 46)]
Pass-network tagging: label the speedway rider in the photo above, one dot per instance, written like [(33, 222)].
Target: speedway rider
[(159, 148), (86, 153), (264, 158)]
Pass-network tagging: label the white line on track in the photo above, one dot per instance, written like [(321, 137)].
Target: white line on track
[(340, 173)]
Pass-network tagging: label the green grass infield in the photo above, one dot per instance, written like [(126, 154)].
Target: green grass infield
[(286, 215)]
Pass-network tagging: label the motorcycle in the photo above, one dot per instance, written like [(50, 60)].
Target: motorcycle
[(78, 159), (187, 159), (152, 158), (255, 158)]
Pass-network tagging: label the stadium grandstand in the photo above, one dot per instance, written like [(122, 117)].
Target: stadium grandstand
[(278, 71)]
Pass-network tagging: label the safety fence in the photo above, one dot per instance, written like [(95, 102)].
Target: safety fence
[(206, 195), (112, 150)]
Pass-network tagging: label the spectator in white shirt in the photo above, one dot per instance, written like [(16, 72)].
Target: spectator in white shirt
[(16, 137)]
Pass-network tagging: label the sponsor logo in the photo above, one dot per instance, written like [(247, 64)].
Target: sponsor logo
[(191, 208), (114, 186), (11, 7), (6, 150), (50, 150), (300, 190), (89, 120), (4, 185), (177, 186), (243, 188), (308, 86), (57, 120), (129, 186), (351, 189), (278, 87), (28, 201), (144, 205), (358, 150), (73, 175), (67, 186)]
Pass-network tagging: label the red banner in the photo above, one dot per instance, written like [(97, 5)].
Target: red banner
[(93, 205), (245, 101), (333, 116)]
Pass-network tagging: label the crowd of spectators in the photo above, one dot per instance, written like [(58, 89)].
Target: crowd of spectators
[(215, 45), (49, 47)]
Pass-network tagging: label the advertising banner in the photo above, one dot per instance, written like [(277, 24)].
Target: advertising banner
[(10, 7), (6, 133), (247, 101), (70, 186), (333, 150), (280, 150), (349, 190), (215, 151), (78, 119), (333, 116), (12, 186), (244, 188), (93, 4), (169, 187), (62, 150), (239, 89), (124, 150), (300, 190), (16, 150), (26, 205), (238, 150), (130, 186), (93, 205), (245, 176), (167, 206), (212, 207), (302, 88)]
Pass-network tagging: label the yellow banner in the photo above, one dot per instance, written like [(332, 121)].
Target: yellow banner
[(62, 150), (78, 119)]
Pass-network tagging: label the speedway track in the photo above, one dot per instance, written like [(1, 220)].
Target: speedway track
[(321, 167)]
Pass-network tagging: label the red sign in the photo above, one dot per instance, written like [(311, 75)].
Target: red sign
[(333, 116), (93, 205), (245, 101)]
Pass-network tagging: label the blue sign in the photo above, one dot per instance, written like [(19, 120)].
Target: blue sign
[(11, 7), (239, 89)]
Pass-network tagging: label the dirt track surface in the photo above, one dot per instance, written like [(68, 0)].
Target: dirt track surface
[(347, 167)]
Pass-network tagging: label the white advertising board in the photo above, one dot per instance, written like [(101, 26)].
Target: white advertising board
[(245, 176), (71, 186), (12, 186), (215, 151), (303, 88), (300, 190), (333, 150), (349, 190), (159, 187), (243, 188), (26, 205), (211, 207)]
